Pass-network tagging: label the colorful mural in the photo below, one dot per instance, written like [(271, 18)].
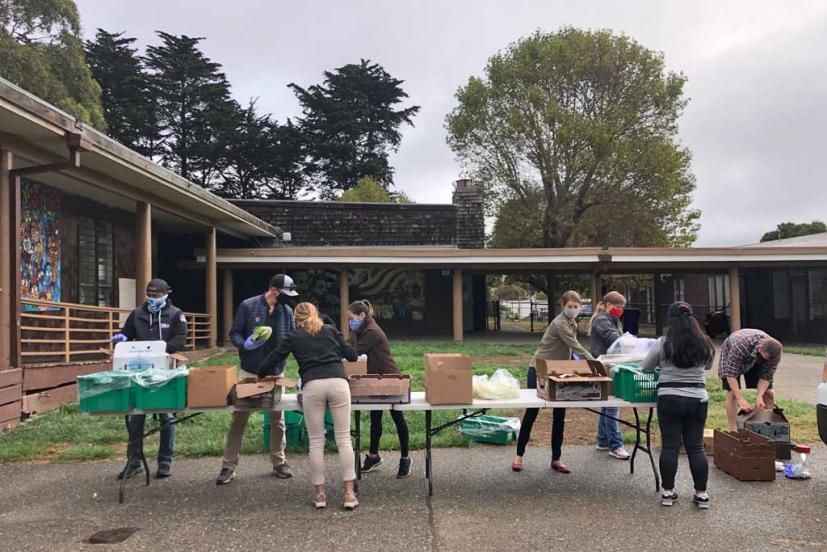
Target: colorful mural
[(39, 242)]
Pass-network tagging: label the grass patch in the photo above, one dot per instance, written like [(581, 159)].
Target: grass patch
[(809, 350), (64, 435)]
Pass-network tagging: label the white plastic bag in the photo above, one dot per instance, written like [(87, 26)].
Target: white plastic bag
[(629, 344), (501, 385)]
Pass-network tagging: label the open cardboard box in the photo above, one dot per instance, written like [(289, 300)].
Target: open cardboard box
[(571, 380), (772, 424), (380, 388), (359, 367), (448, 379), (260, 393), (745, 455)]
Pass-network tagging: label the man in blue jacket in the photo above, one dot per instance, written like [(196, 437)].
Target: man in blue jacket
[(268, 309)]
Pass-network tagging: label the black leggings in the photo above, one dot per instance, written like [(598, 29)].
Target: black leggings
[(682, 421), (376, 431), (558, 423)]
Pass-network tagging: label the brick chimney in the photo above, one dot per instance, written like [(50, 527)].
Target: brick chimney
[(470, 218)]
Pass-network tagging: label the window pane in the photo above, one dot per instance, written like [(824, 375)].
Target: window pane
[(818, 293), (780, 294)]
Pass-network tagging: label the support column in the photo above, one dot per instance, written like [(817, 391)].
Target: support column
[(597, 285), (143, 252), (457, 295), (6, 294), (15, 349), (344, 301), (227, 305), (212, 285), (734, 300)]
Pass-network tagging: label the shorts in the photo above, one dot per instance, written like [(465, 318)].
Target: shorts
[(750, 380)]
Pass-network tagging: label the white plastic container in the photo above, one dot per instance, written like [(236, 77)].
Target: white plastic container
[(137, 356)]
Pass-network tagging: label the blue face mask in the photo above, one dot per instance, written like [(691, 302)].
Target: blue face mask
[(155, 304), (356, 324)]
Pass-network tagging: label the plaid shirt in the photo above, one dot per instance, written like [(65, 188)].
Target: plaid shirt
[(254, 312), (739, 355)]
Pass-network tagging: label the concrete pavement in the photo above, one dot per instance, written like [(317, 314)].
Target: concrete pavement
[(479, 505)]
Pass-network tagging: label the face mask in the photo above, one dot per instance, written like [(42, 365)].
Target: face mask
[(155, 304), (356, 324), (617, 312), (572, 313)]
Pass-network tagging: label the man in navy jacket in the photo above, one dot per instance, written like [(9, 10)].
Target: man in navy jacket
[(267, 309)]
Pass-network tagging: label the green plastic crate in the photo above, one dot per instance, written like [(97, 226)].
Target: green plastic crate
[(636, 385), (295, 429), (105, 392), (493, 430), (168, 395)]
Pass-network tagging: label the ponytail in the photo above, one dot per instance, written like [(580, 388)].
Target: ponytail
[(307, 317), (362, 306)]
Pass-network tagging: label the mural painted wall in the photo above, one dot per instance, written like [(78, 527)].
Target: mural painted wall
[(40, 242)]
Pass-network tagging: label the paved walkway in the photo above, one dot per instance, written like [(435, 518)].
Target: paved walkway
[(798, 376), (479, 505)]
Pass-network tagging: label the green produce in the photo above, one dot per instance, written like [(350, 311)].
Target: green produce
[(262, 333)]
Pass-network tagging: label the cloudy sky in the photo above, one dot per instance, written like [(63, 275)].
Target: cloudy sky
[(757, 82)]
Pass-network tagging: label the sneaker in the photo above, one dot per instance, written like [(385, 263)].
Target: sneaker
[(668, 498), (620, 453), (163, 471), (404, 468), (131, 470), (351, 502), (226, 475), (779, 466), (598, 446), (319, 500), (371, 463), (283, 471), (701, 502)]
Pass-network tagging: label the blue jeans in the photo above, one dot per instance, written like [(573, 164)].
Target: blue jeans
[(135, 448), (608, 430)]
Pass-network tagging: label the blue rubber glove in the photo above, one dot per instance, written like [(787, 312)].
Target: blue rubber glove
[(119, 338), (575, 356), (252, 345)]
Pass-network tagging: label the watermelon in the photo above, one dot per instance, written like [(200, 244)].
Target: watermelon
[(262, 333)]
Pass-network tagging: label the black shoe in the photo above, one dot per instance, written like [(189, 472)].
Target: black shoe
[(163, 471), (701, 502), (226, 475), (371, 463), (131, 470), (404, 468)]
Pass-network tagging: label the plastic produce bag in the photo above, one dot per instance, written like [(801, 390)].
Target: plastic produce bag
[(501, 385), (629, 344), (92, 385), (157, 378)]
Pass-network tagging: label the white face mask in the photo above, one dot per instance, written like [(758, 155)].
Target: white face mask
[(572, 313)]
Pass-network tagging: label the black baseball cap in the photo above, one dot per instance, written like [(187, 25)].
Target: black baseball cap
[(284, 284), (158, 285)]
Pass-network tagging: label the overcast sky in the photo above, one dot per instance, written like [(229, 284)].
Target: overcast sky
[(757, 81)]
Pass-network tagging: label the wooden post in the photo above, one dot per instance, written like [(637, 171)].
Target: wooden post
[(212, 285), (143, 261), (344, 301), (67, 336), (227, 305), (734, 300), (15, 347), (6, 294), (597, 284), (457, 289)]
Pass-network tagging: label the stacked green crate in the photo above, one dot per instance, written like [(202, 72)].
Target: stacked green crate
[(105, 392)]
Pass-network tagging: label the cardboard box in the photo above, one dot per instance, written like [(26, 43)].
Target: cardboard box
[(360, 367), (448, 379), (210, 386), (709, 442), (773, 425), (744, 455), (380, 388), (253, 394), (571, 380)]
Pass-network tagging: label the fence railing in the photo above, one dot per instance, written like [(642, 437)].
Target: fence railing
[(67, 332)]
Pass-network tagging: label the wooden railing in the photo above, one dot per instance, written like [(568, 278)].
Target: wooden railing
[(67, 332)]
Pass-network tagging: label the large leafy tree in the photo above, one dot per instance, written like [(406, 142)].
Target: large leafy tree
[(41, 51), (351, 125), (195, 112), (794, 230), (368, 190), (128, 102)]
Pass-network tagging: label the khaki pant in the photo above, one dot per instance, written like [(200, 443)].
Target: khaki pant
[(332, 394), (232, 448)]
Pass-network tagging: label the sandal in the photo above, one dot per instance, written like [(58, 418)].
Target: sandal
[(517, 465), (558, 466)]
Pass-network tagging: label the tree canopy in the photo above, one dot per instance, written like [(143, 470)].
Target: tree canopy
[(368, 190), (576, 133), (42, 52), (794, 230)]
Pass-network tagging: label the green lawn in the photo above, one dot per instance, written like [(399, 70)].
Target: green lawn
[(809, 350), (64, 435)]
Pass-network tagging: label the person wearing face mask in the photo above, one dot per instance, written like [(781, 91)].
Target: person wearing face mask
[(606, 328), (369, 339), (267, 309), (558, 343), (156, 320)]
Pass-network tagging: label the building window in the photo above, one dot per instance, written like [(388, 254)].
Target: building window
[(95, 263), (719, 292), (818, 293), (680, 289), (781, 294)]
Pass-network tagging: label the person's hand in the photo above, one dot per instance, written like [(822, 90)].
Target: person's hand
[(119, 338), (744, 405), (759, 403), (251, 344)]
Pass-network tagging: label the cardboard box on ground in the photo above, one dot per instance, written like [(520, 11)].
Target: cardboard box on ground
[(571, 380), (745, 455), (773, 425), (448, 379), (210, 386)]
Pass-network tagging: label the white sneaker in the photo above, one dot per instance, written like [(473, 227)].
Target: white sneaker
[(667, 498), (779, 466), (620, 453), (601, 447)]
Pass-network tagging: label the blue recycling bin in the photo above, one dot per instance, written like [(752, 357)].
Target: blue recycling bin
[(631, 321)]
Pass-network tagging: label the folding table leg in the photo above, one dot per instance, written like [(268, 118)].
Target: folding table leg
[(357, 419), (637, 441), (649, 450), (428, 467)]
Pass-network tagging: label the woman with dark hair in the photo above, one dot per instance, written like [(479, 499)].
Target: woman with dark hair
[(683, 354), (369, 339)]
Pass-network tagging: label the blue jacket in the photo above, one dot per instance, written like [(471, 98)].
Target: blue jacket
[(254, 312)]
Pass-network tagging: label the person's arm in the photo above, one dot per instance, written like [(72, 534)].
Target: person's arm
[(568, 335), (239, 326), (605, 330), (761, 388), (735, 389), (367, 341), (346, 349), (128, 328), (178, 340), (653, 357), (276, 357)]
